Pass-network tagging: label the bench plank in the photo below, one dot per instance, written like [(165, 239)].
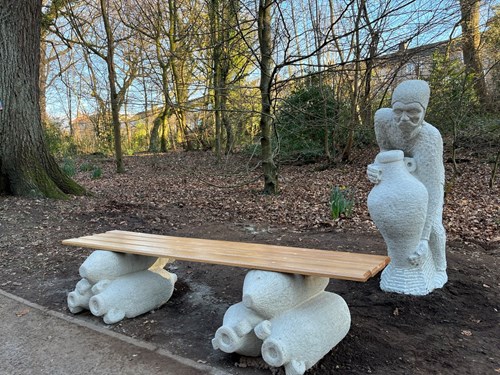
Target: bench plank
[(332, 264)]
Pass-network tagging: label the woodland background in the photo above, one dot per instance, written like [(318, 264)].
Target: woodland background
[(288, 82)]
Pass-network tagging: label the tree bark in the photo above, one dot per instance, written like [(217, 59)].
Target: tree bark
[(154, 139), (216, 73), (266, 122), (178, 65), (470, 45), (115, 102), (221, 16), (26, 167), (43, 82)]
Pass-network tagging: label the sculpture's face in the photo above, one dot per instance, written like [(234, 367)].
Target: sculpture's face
[(408, 117)]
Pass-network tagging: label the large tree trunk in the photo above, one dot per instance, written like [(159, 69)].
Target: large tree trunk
[(26, 167), (470, 45), (227, 124), (221, 14), (158, 143), (266, 122)]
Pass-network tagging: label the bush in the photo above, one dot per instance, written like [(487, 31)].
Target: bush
[(453, 99), (303, 120), (59, 144), (86, 167)]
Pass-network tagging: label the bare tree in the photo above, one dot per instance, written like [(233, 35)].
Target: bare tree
[(266, 77), (104, 45), (277, 50), (169, 27)]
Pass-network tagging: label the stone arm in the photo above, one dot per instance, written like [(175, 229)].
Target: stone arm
[(382, 123)]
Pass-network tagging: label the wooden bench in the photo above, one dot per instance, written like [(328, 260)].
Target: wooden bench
[(273, 318), (325, 263)]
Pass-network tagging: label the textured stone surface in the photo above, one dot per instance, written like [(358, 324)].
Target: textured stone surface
[(271, 293), (289, 319), (237, 331), (402, 127), (398, 207), (131, 295), (116, 285), (108, 265), (78, 300), (303, 335)]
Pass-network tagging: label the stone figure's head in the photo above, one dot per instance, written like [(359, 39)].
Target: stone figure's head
[(409, 103)]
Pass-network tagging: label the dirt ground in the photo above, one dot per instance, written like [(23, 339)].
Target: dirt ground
[(454, 330)]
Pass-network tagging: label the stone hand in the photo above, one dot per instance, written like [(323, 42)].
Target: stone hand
[(418, 257), (374, 174)]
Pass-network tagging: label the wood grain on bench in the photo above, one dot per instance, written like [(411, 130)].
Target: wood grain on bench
[(332, 264)]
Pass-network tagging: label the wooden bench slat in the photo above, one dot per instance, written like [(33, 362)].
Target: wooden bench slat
[(359, 262), (332, 264), (368, 259), (290, 255), (251, 248), (279, 265), (217, 252)]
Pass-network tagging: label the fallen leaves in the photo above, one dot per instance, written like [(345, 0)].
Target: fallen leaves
[(179, 189)]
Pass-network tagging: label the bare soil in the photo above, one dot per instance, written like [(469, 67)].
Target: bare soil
[(453, 330)]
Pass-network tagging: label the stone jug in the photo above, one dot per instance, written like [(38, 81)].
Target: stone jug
[(398, 207)]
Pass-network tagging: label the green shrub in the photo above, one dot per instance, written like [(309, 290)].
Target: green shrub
[(304, 119), (59, 143), (341, 201), (453, 100)]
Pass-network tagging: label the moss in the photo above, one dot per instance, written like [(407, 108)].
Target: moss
[(36, 181)]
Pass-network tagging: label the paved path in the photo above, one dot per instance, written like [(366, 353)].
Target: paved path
[(34, 340)]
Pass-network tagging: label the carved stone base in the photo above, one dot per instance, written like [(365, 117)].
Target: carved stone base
[(289, 319), (417, 281), (118, 286)]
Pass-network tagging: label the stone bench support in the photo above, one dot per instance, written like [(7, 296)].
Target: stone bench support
[(288, 319), (117, 285)]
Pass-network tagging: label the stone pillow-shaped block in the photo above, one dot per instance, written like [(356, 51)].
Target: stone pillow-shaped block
[(270, 293), (108, 265), (131, 295), (236, 333), (300, 337), (78, 300)]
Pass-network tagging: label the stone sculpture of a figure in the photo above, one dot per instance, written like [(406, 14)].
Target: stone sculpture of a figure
[(402, 127)]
